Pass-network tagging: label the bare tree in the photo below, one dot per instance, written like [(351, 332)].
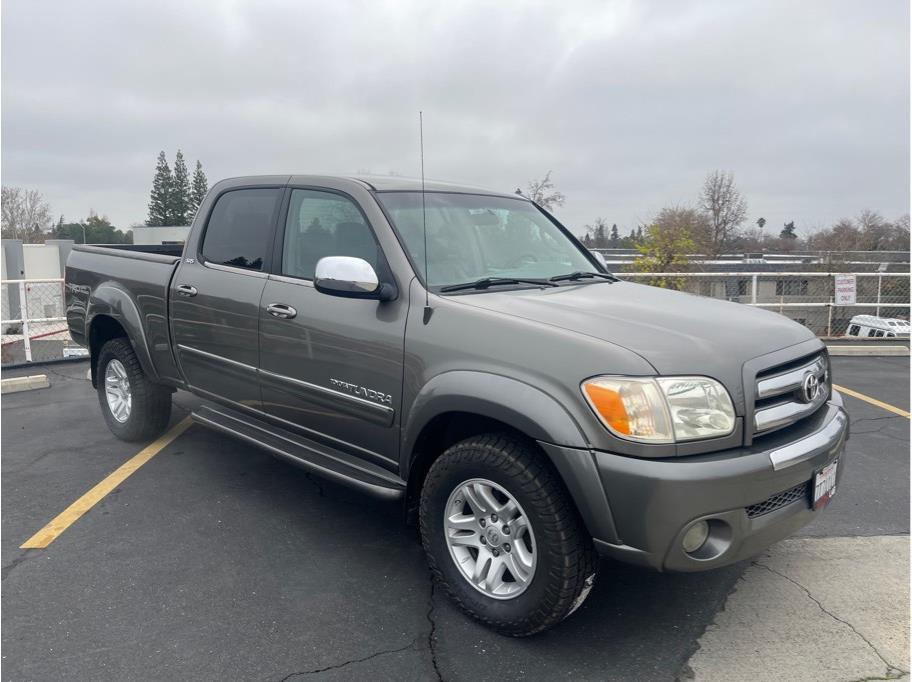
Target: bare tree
[(542, 192), (24, 214), (724, 206)]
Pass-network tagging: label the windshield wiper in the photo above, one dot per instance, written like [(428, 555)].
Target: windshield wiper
[(486, 282), (573, 276)]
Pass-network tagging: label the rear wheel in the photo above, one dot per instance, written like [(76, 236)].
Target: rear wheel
[(503, 537), (133, 407)]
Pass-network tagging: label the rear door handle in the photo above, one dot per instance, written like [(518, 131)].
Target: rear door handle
[(282, 311), (186, 290)]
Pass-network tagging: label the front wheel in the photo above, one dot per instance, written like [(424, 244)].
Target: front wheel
[(502, 535), (133, 407)]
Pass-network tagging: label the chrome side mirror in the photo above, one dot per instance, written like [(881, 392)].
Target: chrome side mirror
[(349, 277), (601, 259)]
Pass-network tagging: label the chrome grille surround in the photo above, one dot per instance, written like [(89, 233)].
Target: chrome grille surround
[(779, 395)]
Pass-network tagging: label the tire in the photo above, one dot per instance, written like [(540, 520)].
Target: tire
[(149, 408), (564, 561)]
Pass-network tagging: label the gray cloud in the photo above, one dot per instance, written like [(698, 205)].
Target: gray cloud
[(630, 103)]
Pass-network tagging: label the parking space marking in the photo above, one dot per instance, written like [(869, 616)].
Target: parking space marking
[(71, 514), (873, 401)]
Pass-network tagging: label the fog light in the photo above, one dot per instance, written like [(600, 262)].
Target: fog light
[(695, 537)]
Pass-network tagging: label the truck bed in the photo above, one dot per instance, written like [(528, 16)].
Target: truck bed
[(165, 253), (129, 285)]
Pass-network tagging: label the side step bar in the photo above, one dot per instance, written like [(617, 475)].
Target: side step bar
[(322, 460)]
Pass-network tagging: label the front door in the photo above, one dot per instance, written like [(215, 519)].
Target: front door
[(215, 297), (331, 367)]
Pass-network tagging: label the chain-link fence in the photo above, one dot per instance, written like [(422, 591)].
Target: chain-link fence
[(33, 322), (34, 325), (807, 297)]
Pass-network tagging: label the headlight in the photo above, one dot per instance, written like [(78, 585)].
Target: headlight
[(661, 410)]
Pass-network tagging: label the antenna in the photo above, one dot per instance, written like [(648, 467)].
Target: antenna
[(427, 302)]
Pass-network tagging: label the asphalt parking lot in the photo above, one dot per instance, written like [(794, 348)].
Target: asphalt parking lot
[(217, 561)]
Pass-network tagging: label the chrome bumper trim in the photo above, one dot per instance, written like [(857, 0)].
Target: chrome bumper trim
[(827, 437)]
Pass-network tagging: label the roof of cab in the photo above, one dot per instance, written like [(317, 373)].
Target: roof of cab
[(377, 183), (395, 183)]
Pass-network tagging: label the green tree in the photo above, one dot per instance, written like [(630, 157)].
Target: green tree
[(198, 188), (179, 201), (761, 221), (788, 231), (615, 237), (160, 196), (597, 232), (94, 229), (663, 249)]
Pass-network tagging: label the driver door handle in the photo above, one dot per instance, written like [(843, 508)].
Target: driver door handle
[(282, 311), (186, 290)]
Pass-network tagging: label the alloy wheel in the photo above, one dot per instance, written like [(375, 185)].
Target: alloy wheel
[(490, 538)]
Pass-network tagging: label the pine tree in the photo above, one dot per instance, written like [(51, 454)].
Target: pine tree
[(615, 237), (198, 188), (179, 206), (160, 197)]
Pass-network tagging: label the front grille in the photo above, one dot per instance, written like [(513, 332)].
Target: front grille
[(779, 393), (779, 500)]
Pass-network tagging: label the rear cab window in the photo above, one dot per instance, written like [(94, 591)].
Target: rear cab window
[(239, 230)]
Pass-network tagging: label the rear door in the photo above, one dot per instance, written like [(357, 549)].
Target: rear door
[(333, 369), (215, 295)]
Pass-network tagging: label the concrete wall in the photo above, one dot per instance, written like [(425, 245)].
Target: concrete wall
[(42, 261), (160, 235)]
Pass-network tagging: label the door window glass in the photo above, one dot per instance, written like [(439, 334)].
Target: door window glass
[(239, 228), (324, 224)]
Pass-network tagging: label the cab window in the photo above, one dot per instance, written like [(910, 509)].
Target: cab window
[(239, 228), (321, 224)]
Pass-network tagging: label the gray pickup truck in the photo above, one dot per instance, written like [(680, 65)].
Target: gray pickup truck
[(459, 350)]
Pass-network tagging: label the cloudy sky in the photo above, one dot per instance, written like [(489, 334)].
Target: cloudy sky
[(629, 103)]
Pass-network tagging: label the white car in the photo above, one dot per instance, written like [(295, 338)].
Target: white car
[(871, 326)]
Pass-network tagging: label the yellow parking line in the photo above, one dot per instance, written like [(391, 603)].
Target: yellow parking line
[(71, 514), (872, 401)]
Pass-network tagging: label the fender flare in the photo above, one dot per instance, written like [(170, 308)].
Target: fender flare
[(111, 299), (518, 404), (532, 412)]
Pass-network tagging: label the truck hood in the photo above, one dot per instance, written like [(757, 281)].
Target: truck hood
[(675, 332)]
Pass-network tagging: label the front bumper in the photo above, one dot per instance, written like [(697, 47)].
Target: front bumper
[(651, 503)]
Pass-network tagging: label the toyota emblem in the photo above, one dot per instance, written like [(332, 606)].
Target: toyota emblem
[(810, 388)]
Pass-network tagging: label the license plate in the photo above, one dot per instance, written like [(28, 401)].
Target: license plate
[(825, 485)]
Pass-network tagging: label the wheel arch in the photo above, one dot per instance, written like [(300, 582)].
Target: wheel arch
[(111, 314), (459, 404)]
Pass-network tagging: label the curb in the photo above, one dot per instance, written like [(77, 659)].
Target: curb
[(868, 351), (19, 384)]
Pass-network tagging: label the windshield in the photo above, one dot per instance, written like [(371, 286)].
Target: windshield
[(472, 236)]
